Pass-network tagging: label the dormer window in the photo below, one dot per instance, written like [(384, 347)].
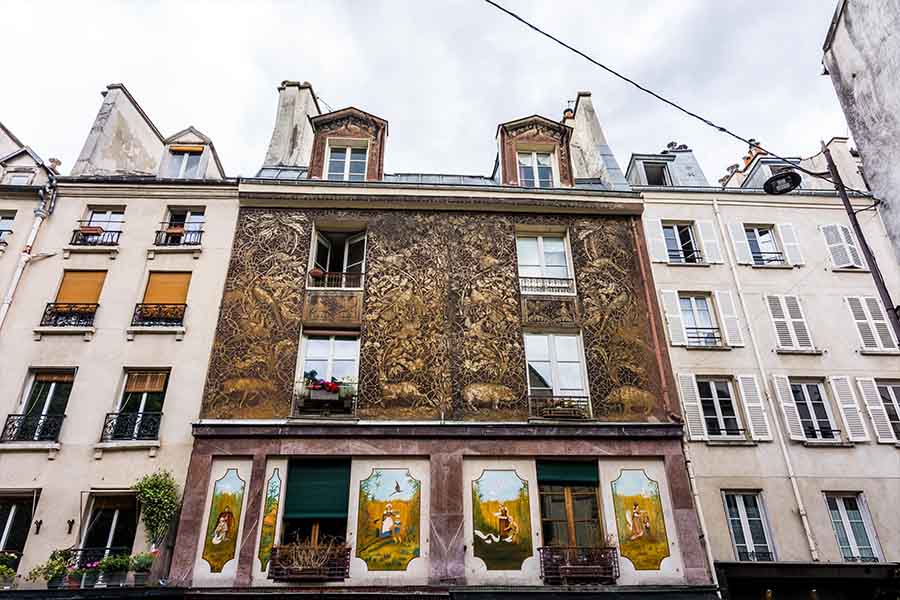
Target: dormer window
[(184, 162), (347, 163), (657, 174), (535, 169), (20, 178)]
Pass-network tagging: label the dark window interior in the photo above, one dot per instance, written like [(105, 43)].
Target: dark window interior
[(656, 174), (116, 515)]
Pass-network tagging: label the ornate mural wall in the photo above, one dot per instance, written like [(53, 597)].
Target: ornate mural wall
[(441, 331)]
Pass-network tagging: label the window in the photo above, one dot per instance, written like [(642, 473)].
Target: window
[(544, 264), (338, 260), (535, 169), (555, 365), (851, 527), (347, 163), (184, 227), (316, 501), (875, 331), (791, 330), (719, 413), (747, 522), (102, 228), (841, 243), (890, 399), (15, 521), (6, 223), (569, 502), (165, 300), (657, 174), (43, 409), (330, 373), (699, 320), (110, 526), (139, 412), (19, 178), (184, 162), (776, 169), (763, 246), (815, 414), (680, 243)]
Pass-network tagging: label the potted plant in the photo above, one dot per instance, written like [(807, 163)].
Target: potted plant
[(7, 577), (53, 570), (114, 569), (90, 230), (90, 573), (141, 564), (316, 273)]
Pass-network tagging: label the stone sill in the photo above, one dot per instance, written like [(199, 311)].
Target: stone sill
[(785, 267), (708, 348), (194, 250), (813, 352), (879, 352), (52, 448), (848, 270), (699, 264), (113, 251), (87, 332), (178, 332), (828, 444), (150, 445), (726, 442)]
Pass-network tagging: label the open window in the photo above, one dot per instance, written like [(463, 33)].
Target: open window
[(15, 523), (338, 260), (102, 228), (43, 408), (139, 412), (109, 526), (657, 174), (316, 501), (6, 226), (183, 227), (330, 368)]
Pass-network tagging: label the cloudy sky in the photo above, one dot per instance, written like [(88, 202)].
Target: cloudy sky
[(443, 74)]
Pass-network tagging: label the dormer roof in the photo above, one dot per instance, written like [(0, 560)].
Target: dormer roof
[(192, 135), (319, 121)]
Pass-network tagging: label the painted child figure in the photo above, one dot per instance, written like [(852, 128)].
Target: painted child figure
[(390, 524)]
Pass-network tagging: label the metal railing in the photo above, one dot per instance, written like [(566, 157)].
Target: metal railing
[(158, 315), (762, 556), (768, 258), (685, 256), (13, 561), (565, 565), (333, 566), (3, 234), (725, 431), (560, 407), (824, 433), (32, 428), (546, 285), (703, 336), (94, 235), (336, 279), (310, 401), (131, 426), (69, 315), (176, 234), (82, 557)]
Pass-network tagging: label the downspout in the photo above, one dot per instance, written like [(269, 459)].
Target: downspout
[(41, 212), (782, 444), (692, 480)]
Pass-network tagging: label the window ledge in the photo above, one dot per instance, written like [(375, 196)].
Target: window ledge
[(813, 352), (696, 264), (879, 352), (786, 267), (154, 250), (112, 251), (152, 446), (87, 332), (178, 332), (828, 444), (52, 448), (849, 270), (708, 348), (727, 442)]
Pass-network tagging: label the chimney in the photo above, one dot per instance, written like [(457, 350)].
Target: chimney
[(591, 155), (292, 137), (54, 164)]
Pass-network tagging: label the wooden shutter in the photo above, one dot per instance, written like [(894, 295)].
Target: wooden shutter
[(852, 250), (146, 381), (757, 417), (656, 241), (672, 309), (712, 251), (730, 324), (54, 376), (779, 321), (841, 246), (868, 389), (863, 326), (167, 288), (741, 246), (791, 243), (785, 397), (690, 404), (880, 323), (850, 412), (797, 320), (80, 287)]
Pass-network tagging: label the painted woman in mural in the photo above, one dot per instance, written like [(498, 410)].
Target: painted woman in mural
[(501, 520), (640, 520), (223, 521), (224, 524), (387, 537), (390, 524)]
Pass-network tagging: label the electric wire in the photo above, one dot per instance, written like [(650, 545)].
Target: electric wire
[(675, 105)]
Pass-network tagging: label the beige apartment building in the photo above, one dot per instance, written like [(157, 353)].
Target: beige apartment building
[(787, 369), (114, 276)]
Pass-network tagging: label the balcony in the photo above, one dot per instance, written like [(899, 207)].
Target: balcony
[(690, 257), (176, 235), (768, 259), (318, 279), (69, 315), (121, 427), (32, 428), (703, 337), (313, 400), (4, 233), (743, 555), (547, 285), (158, 315), (569, 408), (86, 556), (93, 235), (308, 563), (568, 565)]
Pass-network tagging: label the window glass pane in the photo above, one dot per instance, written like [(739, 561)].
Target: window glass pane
[(18, 527), (59, 399), (545, 177), (731, 505), (537, 347), (567, 348), (524, 159), (344, 370), (705, 388), (192, 169), (358, 154), (319, 366), (356, 252), (570, 377), (539, 376), (358, 167), (527, 251), (587, 533), (318, 347), (553, 506), (346, 347), (37, 397), (557, 273), (584, 506), (176, 160), (526, 176), (543, 159), (555, 251), (131, 402)]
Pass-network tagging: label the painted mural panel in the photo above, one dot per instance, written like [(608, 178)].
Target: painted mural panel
[(639, 519), (269, 519), (501, 520), (224, 520), (388, 525)]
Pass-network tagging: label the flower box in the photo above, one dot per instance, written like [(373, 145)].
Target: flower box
[(90, 230)]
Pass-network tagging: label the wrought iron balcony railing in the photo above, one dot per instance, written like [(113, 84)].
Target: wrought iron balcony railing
[(82, 557), (126, 426), (176, 234), (313, 400), (94, 235), (759, 556), (306, 564), (32, 428), (69, 315), (565, 565), (768, 258), (703, 336), (725, 432), (335, 280), (10, 558), (158, 315), (3, 234), (686, 256), (546, 285), (560, 407)]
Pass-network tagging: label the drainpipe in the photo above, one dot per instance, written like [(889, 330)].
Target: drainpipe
[(47, 195), (785, 453), (692, 480)]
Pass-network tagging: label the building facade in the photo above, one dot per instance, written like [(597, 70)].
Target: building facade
[(787, 372)]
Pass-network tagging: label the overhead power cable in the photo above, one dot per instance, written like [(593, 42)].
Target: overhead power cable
[(675, 105)]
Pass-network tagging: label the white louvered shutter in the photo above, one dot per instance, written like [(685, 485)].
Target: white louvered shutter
[(840, 258), (754, 406), (779, 321), (690, 404), (785, 397), (791, 242), (849, 407), (880, 324), (741, 245), (797, 320), (853, 251), (656, 241), (728, 318), (873, 334), (868, 389), (712, 251), (674, 322)]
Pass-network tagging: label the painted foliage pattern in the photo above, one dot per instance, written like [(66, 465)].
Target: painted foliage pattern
[(224, 520), (269, 518), (388, 523), (442, 318), (501, 520), (640, 521)]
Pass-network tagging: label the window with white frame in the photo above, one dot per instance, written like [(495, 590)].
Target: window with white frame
[(657, 174), (874, 329), (764, 249), (852, 527), (843, 247), (815, 413), (139, 411), (545, 264), (183, 227), (700, 326), (6, 223), (890, 399), (330, 367), (719, 410), (347, 163), (109, 221), (184, 163), (535, 169), (110, 526), (681, 243), (44, 407), (338, 259), (19, 178), (555, 365), (749, 528)]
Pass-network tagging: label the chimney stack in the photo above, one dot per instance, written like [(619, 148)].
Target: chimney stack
[(292, 137)]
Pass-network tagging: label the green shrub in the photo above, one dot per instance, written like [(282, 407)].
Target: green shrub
[(141, 563), (158, 495), (115, 563), (57, 565)]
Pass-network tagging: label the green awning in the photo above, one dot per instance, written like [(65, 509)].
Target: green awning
[(317, 489), (558, 472)]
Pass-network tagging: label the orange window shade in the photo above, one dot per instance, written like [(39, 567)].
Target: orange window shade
[(80, 287), (146, 381), (167, 288), (187, 148), (55, 377)]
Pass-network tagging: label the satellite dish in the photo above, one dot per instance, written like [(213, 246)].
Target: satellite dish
[(782, 183)]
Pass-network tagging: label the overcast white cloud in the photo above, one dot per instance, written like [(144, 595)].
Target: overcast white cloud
[(442, 73)]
